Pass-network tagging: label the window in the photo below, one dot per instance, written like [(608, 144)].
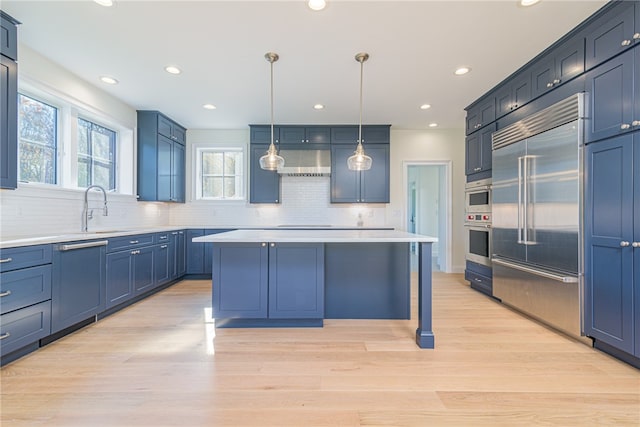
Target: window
[(220, 174), (38, 140), (96, 155)]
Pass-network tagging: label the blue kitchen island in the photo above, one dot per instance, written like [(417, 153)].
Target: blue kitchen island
[(298, 278)]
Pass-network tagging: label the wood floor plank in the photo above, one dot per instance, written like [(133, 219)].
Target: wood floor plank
[(161, 362)]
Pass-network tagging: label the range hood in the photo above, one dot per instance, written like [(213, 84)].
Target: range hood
[(305, 162)]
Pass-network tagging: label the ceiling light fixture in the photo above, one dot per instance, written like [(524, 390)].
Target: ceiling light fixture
[(432, 125), (172, 69), (462, 71), (271, 161), (105, 3), (317, 4), (425, 106), (108, 80), (359, 161), (318, 107), (209, 107), (526, 3)]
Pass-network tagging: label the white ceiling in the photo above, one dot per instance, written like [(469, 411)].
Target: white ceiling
[(220, 45)]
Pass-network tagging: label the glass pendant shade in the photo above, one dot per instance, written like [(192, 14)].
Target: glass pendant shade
[(271, 161), (359, 161)]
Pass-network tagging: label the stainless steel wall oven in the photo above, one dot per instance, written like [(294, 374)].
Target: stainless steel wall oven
[(478, 238), (478, 196)]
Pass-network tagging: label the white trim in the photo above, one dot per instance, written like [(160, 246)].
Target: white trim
[(197, 172), (449, 202)]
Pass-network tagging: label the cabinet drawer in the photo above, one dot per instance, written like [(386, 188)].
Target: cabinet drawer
[(25, 326), (24, 287), (163, 237), (9, 46), (27, 256), (126, 242)]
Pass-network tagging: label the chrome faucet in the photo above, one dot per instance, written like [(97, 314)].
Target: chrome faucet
[(88, 213)]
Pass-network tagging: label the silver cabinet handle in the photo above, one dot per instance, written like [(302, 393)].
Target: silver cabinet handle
[(636, 244), (636, 36), (635, 123), (7, 293), (549, 84), (625, 126), (541, 273), (624, 244), (2, 261), (164, 237), (180, 232), (556, 81), (133, 242), (625, 43), (135, 252), (174, 233), (477, 169), (63, 248), (164, 246), (5, 335)]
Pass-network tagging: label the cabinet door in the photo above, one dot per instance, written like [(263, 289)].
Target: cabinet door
[(636, 236), (164, 126), (178, 243), (264, 185), (345, 183), (177, 173), (162, 263), (164, 178), (481, 114), (485, 147), (119, 278), (78, 285), (9, 123), (178, 134), (262, 134), (374, 183), (606, 37), (379, 134), (608, 222), (296, 281), (543, 74), (569, 60), (318, 135), (344, 135), (143, 269), (610, 89), (473, 148), (240, 280), (24, 287), (195, 252), (292, 134)]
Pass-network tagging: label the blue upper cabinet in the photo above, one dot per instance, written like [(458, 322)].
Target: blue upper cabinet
[(264, 185), (304, 134), (613, 106), (478, 151), (371, 186), (261, 134), (371, 134), (481, 113), (161, 158), (611, 225), (612, 33), (558, 66), (513, 94), (8, 102)]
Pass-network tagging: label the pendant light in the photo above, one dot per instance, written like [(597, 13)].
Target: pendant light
[(271, 161), (359, 161)]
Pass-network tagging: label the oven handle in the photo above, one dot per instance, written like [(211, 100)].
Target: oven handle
[(535, 271), (481, 226)]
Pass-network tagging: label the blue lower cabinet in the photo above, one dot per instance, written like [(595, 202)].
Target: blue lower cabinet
[(119, 278), (26, 326), (78, 283), (20, 288), (162, 263), (268, 281), (296, 280), (199, 255), (240, 280), (143, 269)]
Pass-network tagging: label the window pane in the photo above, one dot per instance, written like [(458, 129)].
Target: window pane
[(96, 150), (230, 162), (83, 136), (83, 173), (101, 176), (229, 187), (101, 145), (211, 163), (37, 130), (221, 174), (212, 187)]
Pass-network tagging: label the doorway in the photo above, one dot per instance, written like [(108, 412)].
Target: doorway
[(428, 208)]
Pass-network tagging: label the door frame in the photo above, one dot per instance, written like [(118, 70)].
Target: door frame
[(448, 179)]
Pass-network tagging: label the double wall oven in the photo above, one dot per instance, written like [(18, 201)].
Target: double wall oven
[(477, 230)]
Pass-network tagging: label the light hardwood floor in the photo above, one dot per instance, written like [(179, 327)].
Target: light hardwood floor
[(158, 363)]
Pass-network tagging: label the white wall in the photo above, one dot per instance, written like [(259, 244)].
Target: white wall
[(35, 209)]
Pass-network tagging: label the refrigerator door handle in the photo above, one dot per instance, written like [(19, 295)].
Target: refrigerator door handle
[(525, 199), (521, 239), (542, 273)]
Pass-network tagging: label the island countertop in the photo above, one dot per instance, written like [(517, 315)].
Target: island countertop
[(315, 236)]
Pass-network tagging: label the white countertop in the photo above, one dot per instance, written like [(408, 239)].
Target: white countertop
[(315, 236)]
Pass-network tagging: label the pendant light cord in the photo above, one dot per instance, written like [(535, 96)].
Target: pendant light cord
[(360, 126), (271, 63)]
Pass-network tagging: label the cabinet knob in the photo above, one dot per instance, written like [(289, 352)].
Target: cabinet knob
[(635, 123), (273, 245), (636, 36), (624, 244), (636, 244), (625, 126), (477, 169), (549, 84), (263, 245), (625, 42), (556, 81)]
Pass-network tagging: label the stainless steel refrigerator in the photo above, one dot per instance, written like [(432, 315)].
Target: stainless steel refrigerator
[(536, 198)]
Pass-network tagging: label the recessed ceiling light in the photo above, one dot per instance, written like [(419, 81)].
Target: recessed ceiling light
[(425, 106), (462, 71), (172, 70), (318, 107), (432, 125), (209, 107), (528, 2), (108, 80), (317, 4), (105, 3)]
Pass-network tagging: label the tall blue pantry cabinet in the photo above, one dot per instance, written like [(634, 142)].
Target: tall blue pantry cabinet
[(8, 102)]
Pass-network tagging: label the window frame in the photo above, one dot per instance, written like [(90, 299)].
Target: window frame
[(241, 178)]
